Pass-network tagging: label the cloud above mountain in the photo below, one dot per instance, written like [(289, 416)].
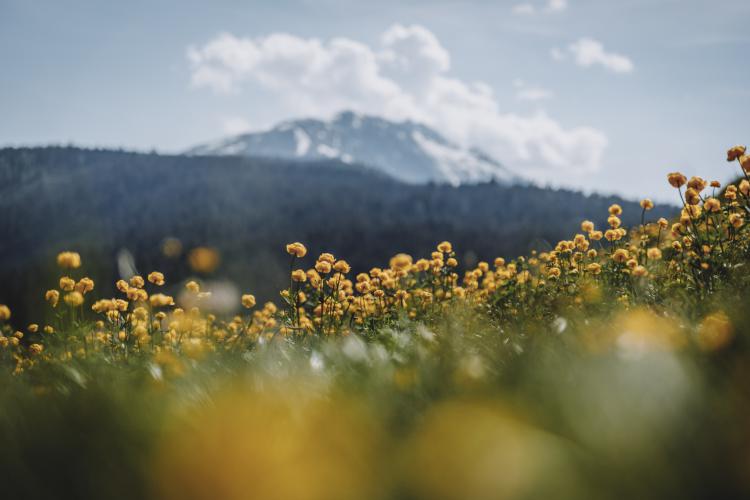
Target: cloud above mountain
[(407, 76), (588, 52)]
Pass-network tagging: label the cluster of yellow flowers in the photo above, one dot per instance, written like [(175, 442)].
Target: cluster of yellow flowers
[(695, 252)]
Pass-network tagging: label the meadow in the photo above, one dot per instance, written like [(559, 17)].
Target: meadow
[(615, 365)]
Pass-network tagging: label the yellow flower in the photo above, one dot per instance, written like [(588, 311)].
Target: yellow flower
[(85, 285), (323, 266), (297, 249), (639, 271), (36, 349), (499, 262), (73, 299), (69, 260), (161, 300), (67, 284), (327, 257), (587, 226), (49, 330), (654, 253), (620, 256), (712, 205), (299, 276), (647, 204), (122, 286), (594, 268), (553, 272), (4, 312), (451, 262), (342, 266), (745, 162), (745, 187), (595, 235), (52, 297), (736, 220), (204, 259), (193, 287), (248, 301), (663, 223), (615, 209), (137, 282), (692, 197), (445, 247), (614, 221), (735, 153), (156, 278), (32, 328), (676, 179), (697, 183)]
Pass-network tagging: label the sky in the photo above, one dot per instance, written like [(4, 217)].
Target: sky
[(598, 95)]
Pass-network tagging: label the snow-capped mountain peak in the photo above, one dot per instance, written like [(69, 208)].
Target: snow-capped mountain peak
[(407, 151)]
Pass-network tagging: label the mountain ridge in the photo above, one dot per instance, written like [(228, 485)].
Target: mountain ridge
[(407, 151)]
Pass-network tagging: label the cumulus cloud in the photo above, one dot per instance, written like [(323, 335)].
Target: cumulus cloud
[(588, 52), (405, 77), (528, 92), (551, 7)]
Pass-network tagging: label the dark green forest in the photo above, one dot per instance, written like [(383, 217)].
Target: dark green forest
[(100, 202)]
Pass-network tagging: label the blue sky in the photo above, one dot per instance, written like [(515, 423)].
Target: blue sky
[(599, 95)]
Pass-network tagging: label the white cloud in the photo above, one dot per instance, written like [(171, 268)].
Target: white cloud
[(556, 5), (528, 9), (588, 52), (233, 125), (405, 77), (527, 92)]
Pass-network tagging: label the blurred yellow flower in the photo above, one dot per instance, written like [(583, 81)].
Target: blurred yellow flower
[(69, 260)]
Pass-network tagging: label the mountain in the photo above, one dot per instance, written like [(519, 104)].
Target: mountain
[(407, 151), (105, 204)]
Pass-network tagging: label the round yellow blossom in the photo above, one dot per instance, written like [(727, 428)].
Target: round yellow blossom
[(327, 257), (451, 262), (32, 328), (69, 260), (204, 259), (712, 205), (297, 249), (445, 247), (715, 184), (736, 220), (323, 266), (248, 301), (49, 330), (745, 162), (36, 349), (4, 312), (620, 256), (342, 266), (73, 299), (653, 253), (52, 297), (499, 262), (647, 204), (697, 183), (639, 271), (156, 278), (614, 221), (299, 276), (137, 282), (553, 272), (67, 284), (192, 286), (692, 197), (122, 286), (615, 209), (85, 285), (735, 152), (744, 187), (595, 235), (587, 226), (161, 300), (676, 179), (663, 223)]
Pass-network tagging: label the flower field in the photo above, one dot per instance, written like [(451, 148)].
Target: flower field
[(614, 365)]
